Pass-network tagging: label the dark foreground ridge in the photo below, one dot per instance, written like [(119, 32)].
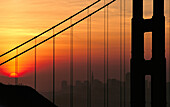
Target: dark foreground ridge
[(22, 96)]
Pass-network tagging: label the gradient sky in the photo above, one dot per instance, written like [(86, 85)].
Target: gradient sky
[(23, 19)]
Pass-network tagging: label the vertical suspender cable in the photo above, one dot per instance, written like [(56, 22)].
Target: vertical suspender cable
[(107, 56), (169, 41), (71, 65), (169, 45), (90, 63), (87, 59), (124, 55), (90, 79), (35, 66), (53, 68), (16, 69), (120, 53), (104, 59)]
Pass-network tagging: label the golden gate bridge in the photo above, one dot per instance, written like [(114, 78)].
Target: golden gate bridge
[(89, 72)]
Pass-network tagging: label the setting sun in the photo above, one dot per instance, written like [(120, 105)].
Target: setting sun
[(14, 75)]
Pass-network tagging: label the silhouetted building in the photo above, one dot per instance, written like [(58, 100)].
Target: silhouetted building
[(97, 92), (78, 83), (64, 84), (92, 77), (86, 83)]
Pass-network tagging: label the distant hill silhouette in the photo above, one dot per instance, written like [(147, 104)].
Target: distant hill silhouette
[(22, 96)]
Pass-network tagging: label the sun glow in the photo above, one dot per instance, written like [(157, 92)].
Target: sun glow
[(14, 75)]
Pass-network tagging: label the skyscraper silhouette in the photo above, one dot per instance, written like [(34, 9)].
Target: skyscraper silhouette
[(156, 67)]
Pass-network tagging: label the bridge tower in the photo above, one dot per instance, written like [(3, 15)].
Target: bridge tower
[(156, 67)]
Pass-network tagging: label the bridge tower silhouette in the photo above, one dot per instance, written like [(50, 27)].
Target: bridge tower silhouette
[(156, 67)]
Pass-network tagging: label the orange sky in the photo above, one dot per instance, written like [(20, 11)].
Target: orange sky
[(23, 19)]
